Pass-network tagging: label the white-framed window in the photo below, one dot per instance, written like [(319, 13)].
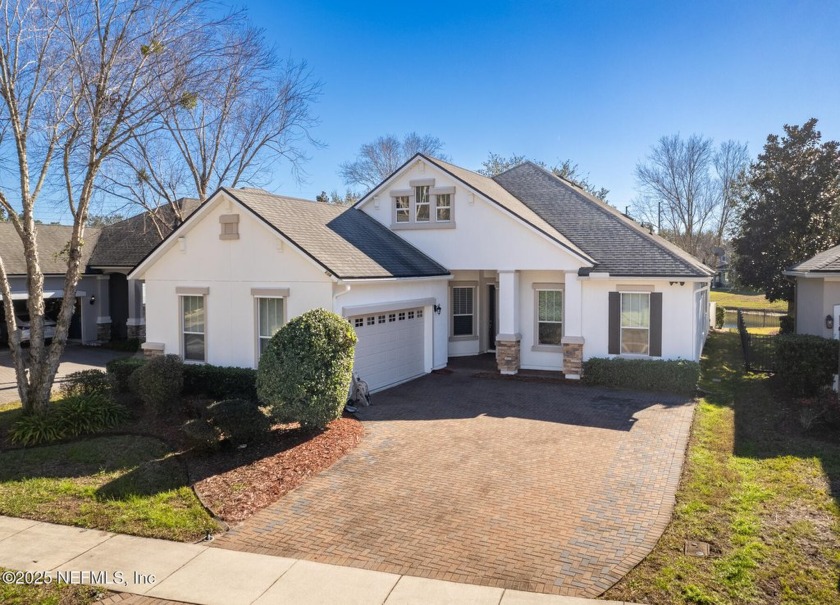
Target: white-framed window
[(635, 323), (402, 208), (421, 204), (193, 328), (443, 207), (549, 317), (463, 311), (270, 318)]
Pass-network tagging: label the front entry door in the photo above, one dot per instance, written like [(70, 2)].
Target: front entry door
[(491, 317)]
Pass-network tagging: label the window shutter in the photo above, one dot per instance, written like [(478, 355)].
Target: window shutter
[(615, 324), (656, 324)]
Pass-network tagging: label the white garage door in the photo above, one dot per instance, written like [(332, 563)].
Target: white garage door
[(390, 349)]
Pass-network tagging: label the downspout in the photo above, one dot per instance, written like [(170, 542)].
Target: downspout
[(344, 289)]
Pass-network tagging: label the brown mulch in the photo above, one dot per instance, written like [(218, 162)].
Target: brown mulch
[(235, 484)]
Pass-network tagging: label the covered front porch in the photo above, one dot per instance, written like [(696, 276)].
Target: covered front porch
[(528, 320)]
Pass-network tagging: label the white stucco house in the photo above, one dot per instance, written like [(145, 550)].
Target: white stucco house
[(435, 262), (817, 300)]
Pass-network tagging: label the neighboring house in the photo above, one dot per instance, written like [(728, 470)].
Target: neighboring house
[(818, 294), (435, 262), (108, 305)]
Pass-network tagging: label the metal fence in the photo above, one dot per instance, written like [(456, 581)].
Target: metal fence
[(759, 349)]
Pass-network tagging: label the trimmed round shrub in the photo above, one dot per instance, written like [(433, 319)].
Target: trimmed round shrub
[(200, 434), (158, 383), (122, 369), (86, 383), (240, 421), (304, 373)]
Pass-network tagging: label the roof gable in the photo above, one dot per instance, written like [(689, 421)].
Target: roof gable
[(493, 193), (343, 241)]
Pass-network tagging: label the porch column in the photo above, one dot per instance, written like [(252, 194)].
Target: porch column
[(136, 323), (573, 327), (103, 308), (507, 341)]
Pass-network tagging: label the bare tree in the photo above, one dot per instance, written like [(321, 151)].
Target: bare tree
[(378, 159), (731, 162), (233, 129), (78, 78), (679, 192)]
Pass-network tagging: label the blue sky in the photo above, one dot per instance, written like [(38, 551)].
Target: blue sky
[(597, 82)]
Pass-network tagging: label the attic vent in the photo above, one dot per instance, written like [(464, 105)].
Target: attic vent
[(230, 226)]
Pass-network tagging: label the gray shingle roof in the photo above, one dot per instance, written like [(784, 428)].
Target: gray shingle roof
[(618, 244), (52, 241), (345, 241), (824, 262), (126, 243)]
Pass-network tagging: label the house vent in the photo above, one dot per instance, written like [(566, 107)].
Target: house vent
[(230, 226)]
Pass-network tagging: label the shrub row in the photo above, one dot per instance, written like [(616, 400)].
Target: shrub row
[(805, 363), (217, 382), (675, 376)]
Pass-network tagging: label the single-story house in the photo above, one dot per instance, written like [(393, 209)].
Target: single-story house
[(435, 262), (817, 300), (108, 305)]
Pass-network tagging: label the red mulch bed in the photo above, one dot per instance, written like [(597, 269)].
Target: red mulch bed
[(236, 483)]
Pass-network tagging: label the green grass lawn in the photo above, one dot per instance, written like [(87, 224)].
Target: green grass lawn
[(125, 484), (743, 300), (762, 494)]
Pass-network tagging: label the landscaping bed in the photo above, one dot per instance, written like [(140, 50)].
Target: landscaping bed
[(759, 488), (235, 484)]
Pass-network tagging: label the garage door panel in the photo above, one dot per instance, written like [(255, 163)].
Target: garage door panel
[(389, 351)]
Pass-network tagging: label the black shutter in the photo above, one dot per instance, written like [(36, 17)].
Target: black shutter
[(656, 324), (615, 324)]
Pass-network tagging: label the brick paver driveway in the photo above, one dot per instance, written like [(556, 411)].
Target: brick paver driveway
[(536, 486)]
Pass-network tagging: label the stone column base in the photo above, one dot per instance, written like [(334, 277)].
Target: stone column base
[(103, 331), (507, 353), (136, 331), (573, 357), (152, 349)]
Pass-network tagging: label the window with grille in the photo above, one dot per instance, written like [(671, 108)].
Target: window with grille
[(463, 314), (270, 320), (549, 317), (635, 323), (421, 204), (193, 328)]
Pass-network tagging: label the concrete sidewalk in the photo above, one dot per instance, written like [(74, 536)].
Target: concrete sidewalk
[(195, 573)]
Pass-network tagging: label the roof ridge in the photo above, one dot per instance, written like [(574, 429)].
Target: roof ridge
[(670, 248)]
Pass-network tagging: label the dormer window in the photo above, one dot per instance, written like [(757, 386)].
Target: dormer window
[(421, 201), (423, 206), (402, 205), (443, 203)]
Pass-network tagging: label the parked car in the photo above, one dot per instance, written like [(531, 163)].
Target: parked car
[(23, 326)]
